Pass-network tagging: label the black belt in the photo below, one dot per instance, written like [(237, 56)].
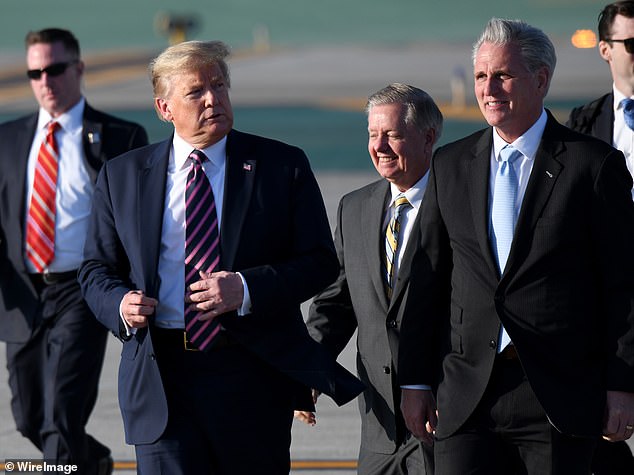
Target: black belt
[(52, 278), (175, 338)]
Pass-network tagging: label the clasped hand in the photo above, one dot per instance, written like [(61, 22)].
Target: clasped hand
[(214, 294)]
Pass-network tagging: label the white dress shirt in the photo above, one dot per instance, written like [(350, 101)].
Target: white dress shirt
[(75, 189), (171, 266), (527, 144), (415, 197)]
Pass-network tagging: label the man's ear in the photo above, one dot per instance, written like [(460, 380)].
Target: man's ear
[(605, 50)]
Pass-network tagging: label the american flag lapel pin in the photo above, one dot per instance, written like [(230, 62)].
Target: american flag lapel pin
[(246, 167)]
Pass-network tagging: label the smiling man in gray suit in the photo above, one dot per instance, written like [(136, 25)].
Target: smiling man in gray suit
[(404, 123)]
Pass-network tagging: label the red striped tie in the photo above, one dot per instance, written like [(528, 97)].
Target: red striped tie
[(40, 228), (202, 244)]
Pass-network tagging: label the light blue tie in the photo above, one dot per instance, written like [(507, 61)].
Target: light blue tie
[(503, 215), (628, 112)]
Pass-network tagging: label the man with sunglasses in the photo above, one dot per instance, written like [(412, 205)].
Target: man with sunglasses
[(49, 161), (606, 116), (606, 119)]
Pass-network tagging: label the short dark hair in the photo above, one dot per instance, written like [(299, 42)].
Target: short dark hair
[(609, 13), (53, 35)]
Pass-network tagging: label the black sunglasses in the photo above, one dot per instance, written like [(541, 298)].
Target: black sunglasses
[(52, 70), (628, 43)]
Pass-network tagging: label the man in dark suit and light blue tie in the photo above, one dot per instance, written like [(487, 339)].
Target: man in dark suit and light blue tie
[(611, 119), (377, 234), (540, 317), (203, 247), (49, 162)]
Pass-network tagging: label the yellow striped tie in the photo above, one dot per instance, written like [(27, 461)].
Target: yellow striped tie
[(391, 242)]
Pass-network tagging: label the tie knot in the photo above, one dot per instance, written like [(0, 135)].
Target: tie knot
[(198, 157), (400, 202), (628, 112), (52, 127), (628, 105), (509, 154)]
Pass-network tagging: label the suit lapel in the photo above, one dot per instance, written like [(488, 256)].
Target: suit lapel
[(405, 265), (604, 126), (91, 140), (478, 171), (16, 175), (240, 173), (540, 186), (149, 208), (372, 216)]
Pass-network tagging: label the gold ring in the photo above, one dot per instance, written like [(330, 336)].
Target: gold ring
[(629, 427)]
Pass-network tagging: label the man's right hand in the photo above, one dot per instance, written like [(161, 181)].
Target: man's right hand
[(419, 411), (136, 307)]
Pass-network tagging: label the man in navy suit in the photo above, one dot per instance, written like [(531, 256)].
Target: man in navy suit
[(223, 407), (54, 348), (527, 268)]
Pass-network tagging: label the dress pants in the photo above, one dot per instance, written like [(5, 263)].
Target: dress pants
[(229, 413), (509, 433), (411, 458), (54, 378), (612, 458)]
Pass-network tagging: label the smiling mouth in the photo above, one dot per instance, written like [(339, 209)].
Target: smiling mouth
[(386, 159)]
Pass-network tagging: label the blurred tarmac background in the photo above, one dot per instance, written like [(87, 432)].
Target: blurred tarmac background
[(300, 72)]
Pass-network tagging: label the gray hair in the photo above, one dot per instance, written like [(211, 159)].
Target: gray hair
[(185, 57), (422, 111), (536, 49)]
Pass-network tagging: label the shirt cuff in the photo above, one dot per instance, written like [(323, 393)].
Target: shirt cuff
[(129, 331), (246, 300), (421, 387)]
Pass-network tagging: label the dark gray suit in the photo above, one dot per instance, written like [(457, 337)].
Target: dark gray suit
[(597, 119), (565, 296), (357, 301)]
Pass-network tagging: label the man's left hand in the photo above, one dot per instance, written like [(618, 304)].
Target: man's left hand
[(215, 294), (619, 416)]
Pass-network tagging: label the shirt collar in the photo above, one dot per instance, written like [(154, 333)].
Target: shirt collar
[(527, 143), (414, 195), (618, 97), (71, 121), (216, 153)]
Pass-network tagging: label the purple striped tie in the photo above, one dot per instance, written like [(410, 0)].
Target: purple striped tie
[(202, 243)]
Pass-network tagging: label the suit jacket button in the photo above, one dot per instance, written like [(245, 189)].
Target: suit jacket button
[(499, 298), (386, 369), (493, 344), (391, 324)]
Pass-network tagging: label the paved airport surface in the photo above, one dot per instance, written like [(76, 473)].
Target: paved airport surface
[(329, 77)]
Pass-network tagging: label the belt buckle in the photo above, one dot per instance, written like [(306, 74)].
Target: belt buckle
[(188, 345), (47, 278)]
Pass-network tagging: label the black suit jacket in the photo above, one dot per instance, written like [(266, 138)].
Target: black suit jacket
[(565, 297), (274, 231), (18, 298), (357, 301), (595, 118)]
